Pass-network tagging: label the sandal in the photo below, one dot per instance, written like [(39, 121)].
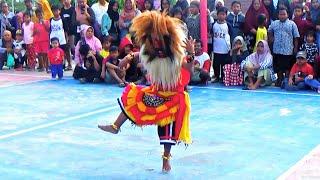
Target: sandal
[(122, 84)]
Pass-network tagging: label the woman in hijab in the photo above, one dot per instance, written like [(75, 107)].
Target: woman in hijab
[(128, 13), (271, 10), (217, 4), (258, 67), (251, 22), (239, 52), (87, 38), (109, 25)]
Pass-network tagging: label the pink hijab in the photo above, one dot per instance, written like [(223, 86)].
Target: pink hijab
[(251, 20), (263, 58)]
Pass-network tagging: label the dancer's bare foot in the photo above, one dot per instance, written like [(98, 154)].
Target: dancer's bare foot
[(166, 167), (109, 128)]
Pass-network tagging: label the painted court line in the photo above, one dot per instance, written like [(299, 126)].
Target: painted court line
[(260, 91), (27, 75), (299, 165), (68, 119)]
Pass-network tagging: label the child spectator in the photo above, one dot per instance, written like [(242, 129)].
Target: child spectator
[(106, 43), (69, 17), (28, 29), (41, 40), (19, 50), (236, 19), (310, 47), (193, 20), (304, 25), (221, 43), (262, 33), (56, 56), (232, 72), (57, 30), (285, 36), (218, 4), (112, 71), (148, 5), (202, 64), (301, 75)]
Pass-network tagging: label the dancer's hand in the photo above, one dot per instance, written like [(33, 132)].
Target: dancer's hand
[(189, 45)]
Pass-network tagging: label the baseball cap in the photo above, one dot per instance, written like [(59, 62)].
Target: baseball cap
[(301, 54)]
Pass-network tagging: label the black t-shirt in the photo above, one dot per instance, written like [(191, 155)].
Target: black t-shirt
[(68, 16)]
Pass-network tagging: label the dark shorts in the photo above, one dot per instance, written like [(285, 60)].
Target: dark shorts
[(167, 134), (282, 63)]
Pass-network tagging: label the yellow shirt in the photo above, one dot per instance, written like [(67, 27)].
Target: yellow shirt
[(261, 35), (104, 53)]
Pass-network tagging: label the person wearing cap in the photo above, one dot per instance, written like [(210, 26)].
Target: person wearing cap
[(301, 75), (19, 48)]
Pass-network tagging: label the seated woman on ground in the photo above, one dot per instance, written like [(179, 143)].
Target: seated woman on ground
[(232, 72), (258, 67), (111, 70)]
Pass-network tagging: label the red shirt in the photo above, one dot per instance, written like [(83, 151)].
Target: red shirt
[(56, 56), (306, 69), (41, 34)]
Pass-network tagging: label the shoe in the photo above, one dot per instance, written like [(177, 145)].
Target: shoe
[(122, 84), (82, 80), (96, 80)]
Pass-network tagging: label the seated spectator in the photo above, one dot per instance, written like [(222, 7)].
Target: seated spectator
[(87, 38), (6, 48), (111, 71), (19, 48), (90, 69), (258, 67), (239, 52), (106, 43), (202, 64), (301, 75), (134, 69)]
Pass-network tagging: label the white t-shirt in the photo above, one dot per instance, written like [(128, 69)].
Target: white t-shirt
[(99, 11), (221, 38), (57, 30), (202, 58)]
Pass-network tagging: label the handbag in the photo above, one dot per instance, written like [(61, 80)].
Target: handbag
[(10, 60)]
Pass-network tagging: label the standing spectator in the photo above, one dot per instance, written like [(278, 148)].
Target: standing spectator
[(41, 40), (110, 22), (57, 29), (304, 24), (211, 5), (283, 4), (236, 19), (284, 35), (28, 29), (148, 5), (202, 64), (233, 74), (218, 4), (251, 22), (258, 67), (84, 16), (19, 17), (183, 4), (8, 19), (126, 16), (30, 10), (310, 47), (269, 4), (315, 16), (262, 33), (193, 20), (69, 18), (100, 8), (166, 6), (221, 43), (56, 56), (301, 75)]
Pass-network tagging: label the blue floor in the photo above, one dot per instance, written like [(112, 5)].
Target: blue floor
[(48, 130)]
